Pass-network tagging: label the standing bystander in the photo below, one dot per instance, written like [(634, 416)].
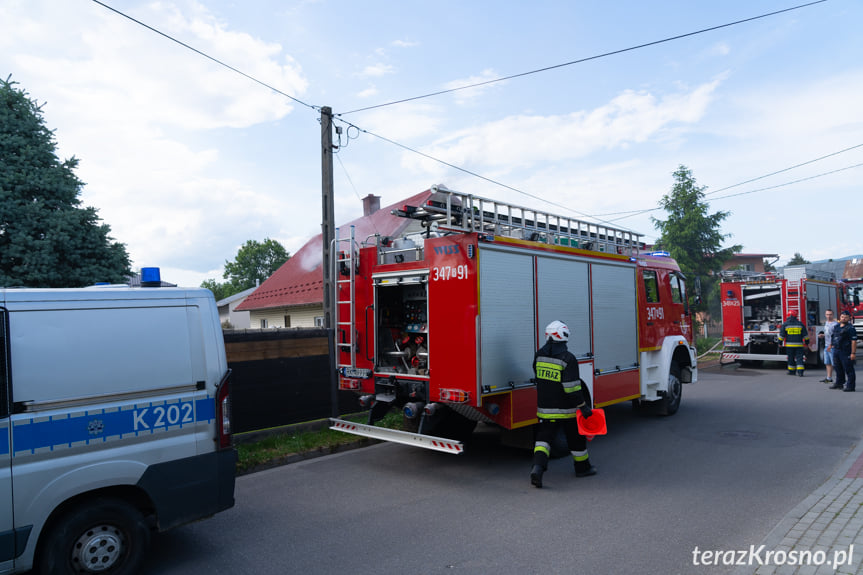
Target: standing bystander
[(827, 335), (844, 353)]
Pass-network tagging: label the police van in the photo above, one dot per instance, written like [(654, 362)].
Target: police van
[(114, 423)]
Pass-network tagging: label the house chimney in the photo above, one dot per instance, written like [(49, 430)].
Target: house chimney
[(371, 204)]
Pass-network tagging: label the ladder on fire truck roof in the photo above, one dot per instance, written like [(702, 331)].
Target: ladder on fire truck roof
[(344, 264), (456, 212), (789, 273)]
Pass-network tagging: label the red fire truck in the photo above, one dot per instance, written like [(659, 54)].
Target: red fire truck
[(754, 306), (444, 325), (852, 294)]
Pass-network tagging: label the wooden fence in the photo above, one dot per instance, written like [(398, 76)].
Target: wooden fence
[(280, 377)]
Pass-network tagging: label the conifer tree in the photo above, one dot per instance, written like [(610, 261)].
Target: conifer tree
[(47, 238)]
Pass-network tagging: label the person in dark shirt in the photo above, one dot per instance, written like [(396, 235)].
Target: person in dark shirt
[(844, 353)]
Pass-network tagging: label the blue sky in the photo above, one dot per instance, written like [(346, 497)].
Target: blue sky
[(186, 160)]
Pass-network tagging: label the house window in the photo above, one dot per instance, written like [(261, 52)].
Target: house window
[(263, 324), (319, 321), (651, 287), (287, 321)]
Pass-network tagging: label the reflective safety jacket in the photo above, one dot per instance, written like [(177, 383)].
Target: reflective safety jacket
[(559, 389), (793, 333)]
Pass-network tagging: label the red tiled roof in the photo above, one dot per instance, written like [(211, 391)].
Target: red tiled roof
[(300, 281)]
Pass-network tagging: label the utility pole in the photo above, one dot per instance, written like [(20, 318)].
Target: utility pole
[(327, 237)]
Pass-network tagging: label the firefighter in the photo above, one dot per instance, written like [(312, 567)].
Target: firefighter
[(794, 337), (560, 393)]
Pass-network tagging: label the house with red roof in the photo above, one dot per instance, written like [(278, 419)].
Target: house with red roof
[(294, 295)]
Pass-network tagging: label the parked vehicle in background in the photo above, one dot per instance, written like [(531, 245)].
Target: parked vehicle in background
[(852, 291), (754, 305)]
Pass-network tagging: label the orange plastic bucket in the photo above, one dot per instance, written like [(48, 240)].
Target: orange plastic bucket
[(593, 425)]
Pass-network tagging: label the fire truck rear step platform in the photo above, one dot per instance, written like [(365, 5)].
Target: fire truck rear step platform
[(730, 357), (397, 436)]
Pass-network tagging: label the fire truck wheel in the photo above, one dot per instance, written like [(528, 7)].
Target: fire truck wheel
[(671, 402)]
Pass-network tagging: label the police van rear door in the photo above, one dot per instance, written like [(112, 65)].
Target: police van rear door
[(7, 533)]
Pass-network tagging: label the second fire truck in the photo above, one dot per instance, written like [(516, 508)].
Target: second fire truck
[(444, 324), (754, 306)]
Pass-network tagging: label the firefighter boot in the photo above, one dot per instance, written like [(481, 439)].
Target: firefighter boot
[(536, 476), (583, 468), (591, 470)]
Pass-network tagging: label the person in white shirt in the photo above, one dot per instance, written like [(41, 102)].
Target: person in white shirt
[(827, 336)]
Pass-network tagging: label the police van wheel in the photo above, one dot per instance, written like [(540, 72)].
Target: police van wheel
[(106, 536)]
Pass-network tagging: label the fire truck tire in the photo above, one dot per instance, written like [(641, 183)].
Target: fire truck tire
[(671, 402)]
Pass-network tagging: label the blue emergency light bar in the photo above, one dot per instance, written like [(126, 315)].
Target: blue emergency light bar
[(151, 277)]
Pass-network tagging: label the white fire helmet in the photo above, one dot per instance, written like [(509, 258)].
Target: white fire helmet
[(557, 331)]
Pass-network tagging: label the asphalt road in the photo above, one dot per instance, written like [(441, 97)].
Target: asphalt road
[(746, 446)]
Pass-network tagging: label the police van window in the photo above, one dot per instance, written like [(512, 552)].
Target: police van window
[(678, 291), (651, 287), (4, 365)]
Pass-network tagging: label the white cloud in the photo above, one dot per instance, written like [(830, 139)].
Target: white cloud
[(469, 94), (520, 141), (377, 70), (124, 100), (368, 92)]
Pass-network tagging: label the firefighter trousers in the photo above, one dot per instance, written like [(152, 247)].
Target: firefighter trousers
[(796, 359), (576, 443)]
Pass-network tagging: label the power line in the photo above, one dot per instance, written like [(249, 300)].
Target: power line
[(785, 170), (471, 173), (476, 175), (629, 213), (582, 60), (207, 56), (790, 183), (821, 175)]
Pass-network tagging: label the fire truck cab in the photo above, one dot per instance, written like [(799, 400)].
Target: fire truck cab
[(444, 324)]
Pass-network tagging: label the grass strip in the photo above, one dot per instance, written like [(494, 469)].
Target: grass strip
[(281, 447)]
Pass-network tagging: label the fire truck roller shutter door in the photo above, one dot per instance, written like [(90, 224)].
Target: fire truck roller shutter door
[(615, 334), (563, 293), (506, 316)]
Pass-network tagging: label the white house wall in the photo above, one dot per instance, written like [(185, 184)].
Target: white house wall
[(300, 317)]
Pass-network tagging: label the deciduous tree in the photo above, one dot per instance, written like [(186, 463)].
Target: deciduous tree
[(255, 261)]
